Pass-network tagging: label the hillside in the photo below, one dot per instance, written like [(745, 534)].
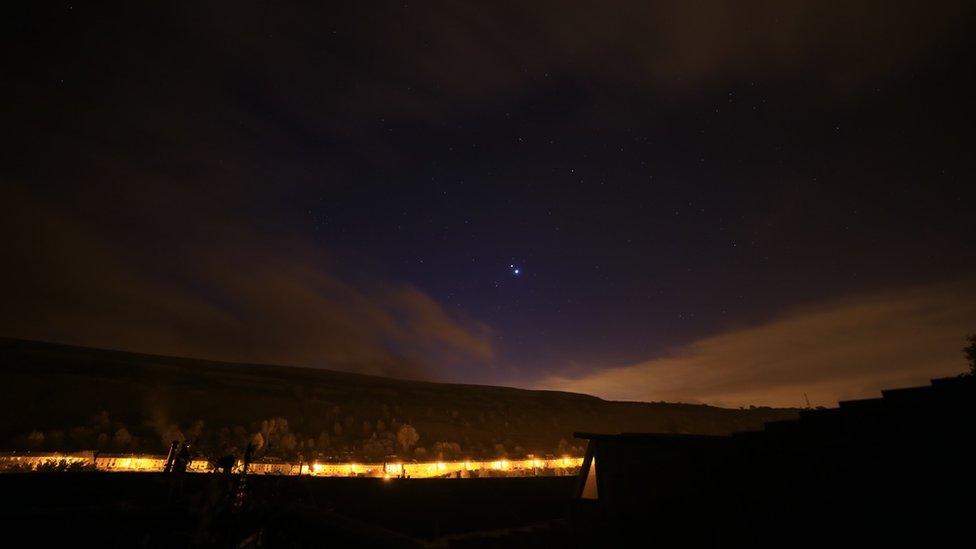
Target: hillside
[(59, 397)]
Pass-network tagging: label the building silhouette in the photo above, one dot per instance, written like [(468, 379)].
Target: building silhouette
[(896, 470)]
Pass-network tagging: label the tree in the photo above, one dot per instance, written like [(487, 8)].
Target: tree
[(171, 433), (563, 447), (970, 352), (407, 436), (375, 448), (446, 450), (122, 439), (288, 442), (35, 439), (500, 451), (323, 443)]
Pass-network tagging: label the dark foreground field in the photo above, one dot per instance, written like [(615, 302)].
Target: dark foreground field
[(156, 510)]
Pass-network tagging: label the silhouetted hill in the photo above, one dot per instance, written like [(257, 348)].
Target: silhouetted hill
[(63, 397)]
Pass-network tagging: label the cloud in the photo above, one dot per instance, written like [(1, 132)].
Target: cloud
[(466, 51), (201, 287), (426, 323), (850, 348)]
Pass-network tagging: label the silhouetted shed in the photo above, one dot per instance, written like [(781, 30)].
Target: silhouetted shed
[(635, 474)]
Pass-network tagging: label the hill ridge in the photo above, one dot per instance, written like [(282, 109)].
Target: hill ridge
[(62, 397)]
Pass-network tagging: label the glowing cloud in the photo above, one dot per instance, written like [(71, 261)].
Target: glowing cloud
[(849, 348)]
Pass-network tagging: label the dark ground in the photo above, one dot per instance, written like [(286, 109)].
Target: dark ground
[(156, 510)]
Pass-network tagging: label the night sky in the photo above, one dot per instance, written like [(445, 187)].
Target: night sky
[(730, 203)]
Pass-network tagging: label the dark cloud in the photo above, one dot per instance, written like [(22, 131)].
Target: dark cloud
[(483, 49)]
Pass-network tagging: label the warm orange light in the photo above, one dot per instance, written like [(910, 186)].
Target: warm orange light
[(148, 463)]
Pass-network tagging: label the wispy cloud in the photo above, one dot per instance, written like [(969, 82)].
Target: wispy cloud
[(222, 290), (850, 348)]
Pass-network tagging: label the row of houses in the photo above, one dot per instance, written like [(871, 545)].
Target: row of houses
[(156, 463), (43, 461)]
